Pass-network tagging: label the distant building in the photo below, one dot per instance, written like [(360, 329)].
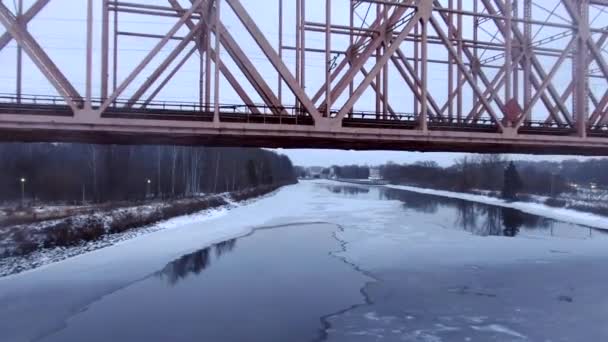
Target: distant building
[(315, 172), (374, 174), (333, 172)]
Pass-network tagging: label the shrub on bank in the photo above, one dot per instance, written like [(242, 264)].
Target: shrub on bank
[(603, 211), (254, 192), (76, 231), (556, 203)]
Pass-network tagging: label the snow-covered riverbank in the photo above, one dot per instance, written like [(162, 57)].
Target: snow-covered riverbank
[(137, 225), (560, 214)]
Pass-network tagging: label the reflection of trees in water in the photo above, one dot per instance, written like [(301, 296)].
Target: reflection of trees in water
[(467, 215), (194, 263), (485, 220), (224, 247), (476, 218), (347, 190), (512, 220), (479, 219), (493, 222), (411, 200)]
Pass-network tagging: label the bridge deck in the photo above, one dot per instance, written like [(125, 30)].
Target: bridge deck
[(188, 124)]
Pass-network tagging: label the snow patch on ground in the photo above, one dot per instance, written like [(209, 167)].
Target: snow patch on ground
[(560, 214), (43, 257)]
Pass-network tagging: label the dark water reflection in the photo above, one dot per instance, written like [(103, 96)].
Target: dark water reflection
[(348, 190), (273, 285), (195, 263), (477, 218)]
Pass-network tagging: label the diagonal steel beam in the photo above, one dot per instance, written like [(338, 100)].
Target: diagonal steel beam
[(537, 66), (533, 59), (471, 57), (546, 81), (40, 58), (334, 75), (377, 89), (274, 58), (383, 60), (243, 63), (25, 18), (169, 76), (600, 43), (414, 83), (365, 73), (376, 25), (164, 65), (467, 73), (363, 57), (150, 56)]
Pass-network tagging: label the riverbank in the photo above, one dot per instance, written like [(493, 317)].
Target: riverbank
[(539, 209), (29, 246)]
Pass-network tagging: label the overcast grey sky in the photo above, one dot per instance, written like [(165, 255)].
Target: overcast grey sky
[(60, 29), (334, 157)]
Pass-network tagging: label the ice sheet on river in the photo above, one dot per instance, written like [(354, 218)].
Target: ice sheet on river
[(379, 235)]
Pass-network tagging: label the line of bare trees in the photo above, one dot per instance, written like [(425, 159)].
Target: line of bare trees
[(487, 172), (75, 172)]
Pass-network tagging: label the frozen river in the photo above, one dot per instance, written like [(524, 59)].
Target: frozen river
[(327, 261)]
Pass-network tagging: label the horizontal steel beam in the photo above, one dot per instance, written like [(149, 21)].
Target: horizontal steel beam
[(35, 128)]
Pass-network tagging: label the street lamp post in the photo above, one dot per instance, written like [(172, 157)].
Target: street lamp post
[(148, 185), (23, 180)]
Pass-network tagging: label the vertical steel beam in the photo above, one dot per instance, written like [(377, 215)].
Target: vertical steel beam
[(424, 110), (527, 41), (351, 45), (384, 95), (303, 46), (581, 69), (114, 55), (20, 54), (218, 60), (89, 63), (105, 46), (459, 76), (508, 32), (475, 60), (517, 55), (379, 16), (328, 62), (451, 33), (416, 71), (208, 18), (280, 82), (298, 47)]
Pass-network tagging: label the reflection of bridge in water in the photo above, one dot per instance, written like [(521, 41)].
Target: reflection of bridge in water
[(516, 79)]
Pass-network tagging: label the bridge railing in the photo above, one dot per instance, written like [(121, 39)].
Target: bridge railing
[(257, 113)]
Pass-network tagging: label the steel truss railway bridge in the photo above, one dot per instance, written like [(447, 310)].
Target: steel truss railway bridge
[(521, 76)]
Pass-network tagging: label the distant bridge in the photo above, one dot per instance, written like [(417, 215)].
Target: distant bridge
[(476, 76)]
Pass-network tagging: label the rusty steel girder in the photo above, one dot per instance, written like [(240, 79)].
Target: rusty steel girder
[(519, 76)]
